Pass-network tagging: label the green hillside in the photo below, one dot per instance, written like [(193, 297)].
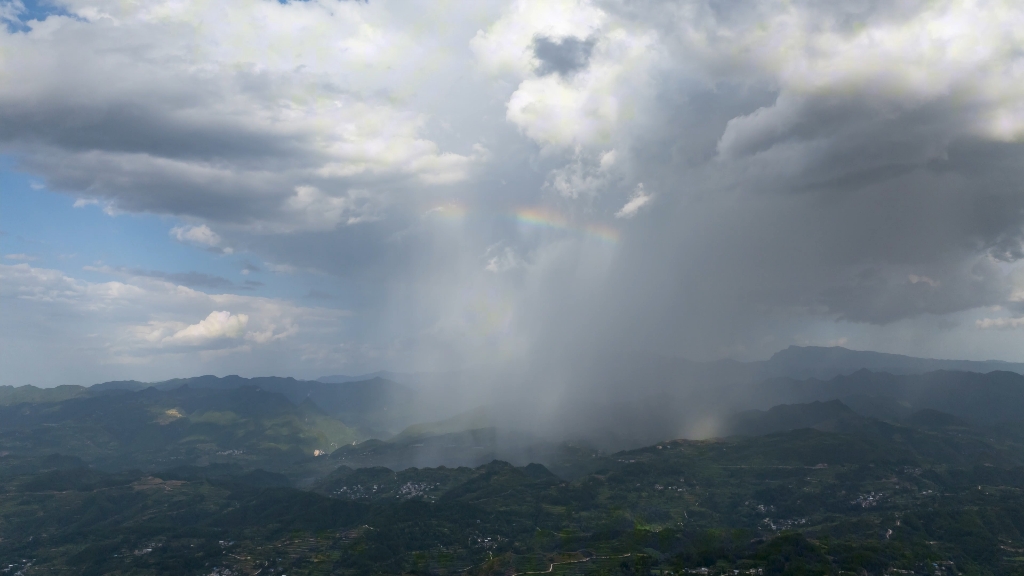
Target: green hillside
[(158, 429), (937, 499), (232, 479)]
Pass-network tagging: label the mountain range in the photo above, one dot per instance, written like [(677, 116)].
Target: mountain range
[(647, 397), (828, 362), (806, 463)]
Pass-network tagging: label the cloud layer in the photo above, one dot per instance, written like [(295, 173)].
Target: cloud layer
[(488, 180)]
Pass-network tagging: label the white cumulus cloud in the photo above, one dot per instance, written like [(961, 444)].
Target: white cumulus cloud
[(216, 325), (20, 257), (152, 324), (637, 200), (200, 235)]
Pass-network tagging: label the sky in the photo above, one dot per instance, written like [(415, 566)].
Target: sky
[(323, 187)]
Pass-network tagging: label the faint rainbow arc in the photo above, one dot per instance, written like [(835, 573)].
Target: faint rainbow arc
[(536, 217), (540, 218)]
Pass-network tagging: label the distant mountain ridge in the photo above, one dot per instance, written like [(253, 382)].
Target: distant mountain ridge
[(828, 362), (625, 400), (982, 399), (386, 374), (829, 415), (649, 397), (798, 362)]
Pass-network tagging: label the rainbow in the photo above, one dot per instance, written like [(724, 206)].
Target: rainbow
[(540, 218), (535, 217), (603, 232)]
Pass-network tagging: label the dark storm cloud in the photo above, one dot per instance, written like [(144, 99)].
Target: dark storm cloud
[(872, 295), (143, 183), (708, 270), (160, 129), (134, 120), (839, 206)]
